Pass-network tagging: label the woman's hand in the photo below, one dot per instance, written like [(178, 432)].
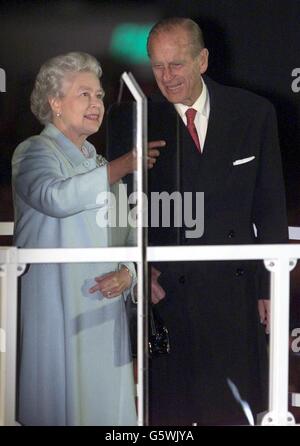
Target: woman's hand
[(127, 163), (112, 284)]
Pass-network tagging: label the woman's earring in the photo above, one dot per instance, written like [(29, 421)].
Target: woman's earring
[(58, 114)]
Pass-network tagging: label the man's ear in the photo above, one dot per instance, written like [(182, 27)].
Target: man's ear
[(203, 60), (55, 104)]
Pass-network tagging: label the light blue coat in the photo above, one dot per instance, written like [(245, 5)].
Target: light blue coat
[(75, 359)]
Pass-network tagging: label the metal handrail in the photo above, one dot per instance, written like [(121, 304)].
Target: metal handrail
[(280, 259)]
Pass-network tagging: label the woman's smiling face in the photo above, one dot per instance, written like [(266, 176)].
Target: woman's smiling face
[(80, 109)]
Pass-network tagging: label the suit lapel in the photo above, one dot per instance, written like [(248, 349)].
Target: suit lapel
[(180, 166), (220, 141)]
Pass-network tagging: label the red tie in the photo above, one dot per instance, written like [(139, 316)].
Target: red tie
[(190, 115)]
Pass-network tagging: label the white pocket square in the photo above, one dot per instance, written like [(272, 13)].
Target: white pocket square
[(243, 160)]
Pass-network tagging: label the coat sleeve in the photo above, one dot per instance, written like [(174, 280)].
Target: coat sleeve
[(269, 205), (269, 209), (38, 179)]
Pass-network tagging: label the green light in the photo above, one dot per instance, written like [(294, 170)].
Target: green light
[(129, 41)]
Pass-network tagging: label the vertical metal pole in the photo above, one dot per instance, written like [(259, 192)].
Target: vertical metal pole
[(8, 317), (142, 237), (3, 300), (278, 414)]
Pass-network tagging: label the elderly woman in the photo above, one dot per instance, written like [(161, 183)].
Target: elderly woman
[(75, 361)]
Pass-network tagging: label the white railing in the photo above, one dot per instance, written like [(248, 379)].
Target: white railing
[(140, 186), (279, 260), (6, 228)]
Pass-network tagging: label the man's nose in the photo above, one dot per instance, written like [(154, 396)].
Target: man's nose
[(167, 74)]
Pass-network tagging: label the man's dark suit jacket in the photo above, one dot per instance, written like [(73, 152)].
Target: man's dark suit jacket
[(210, 308)]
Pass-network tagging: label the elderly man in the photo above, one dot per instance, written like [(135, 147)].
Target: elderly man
[(221, 141)]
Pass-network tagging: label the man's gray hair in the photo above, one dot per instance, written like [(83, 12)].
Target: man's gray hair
[(49, 81), (171, 24)]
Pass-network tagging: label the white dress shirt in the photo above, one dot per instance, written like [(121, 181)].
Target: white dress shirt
[(202, 105)]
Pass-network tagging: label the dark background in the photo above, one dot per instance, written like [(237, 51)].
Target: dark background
[(253, 44)]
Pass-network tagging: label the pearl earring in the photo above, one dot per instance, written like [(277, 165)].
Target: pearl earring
[(58, 114)]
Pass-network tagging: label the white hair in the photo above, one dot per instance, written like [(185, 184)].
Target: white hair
[(49, 81)]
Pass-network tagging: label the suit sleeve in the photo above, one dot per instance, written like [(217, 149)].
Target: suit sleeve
[(269, 211), (270, 216), (38, 180)]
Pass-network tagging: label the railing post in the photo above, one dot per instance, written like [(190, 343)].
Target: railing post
[(278, 414), (8, 322), (140, 181)]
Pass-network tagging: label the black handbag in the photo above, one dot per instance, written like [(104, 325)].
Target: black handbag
[(158, 336)]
